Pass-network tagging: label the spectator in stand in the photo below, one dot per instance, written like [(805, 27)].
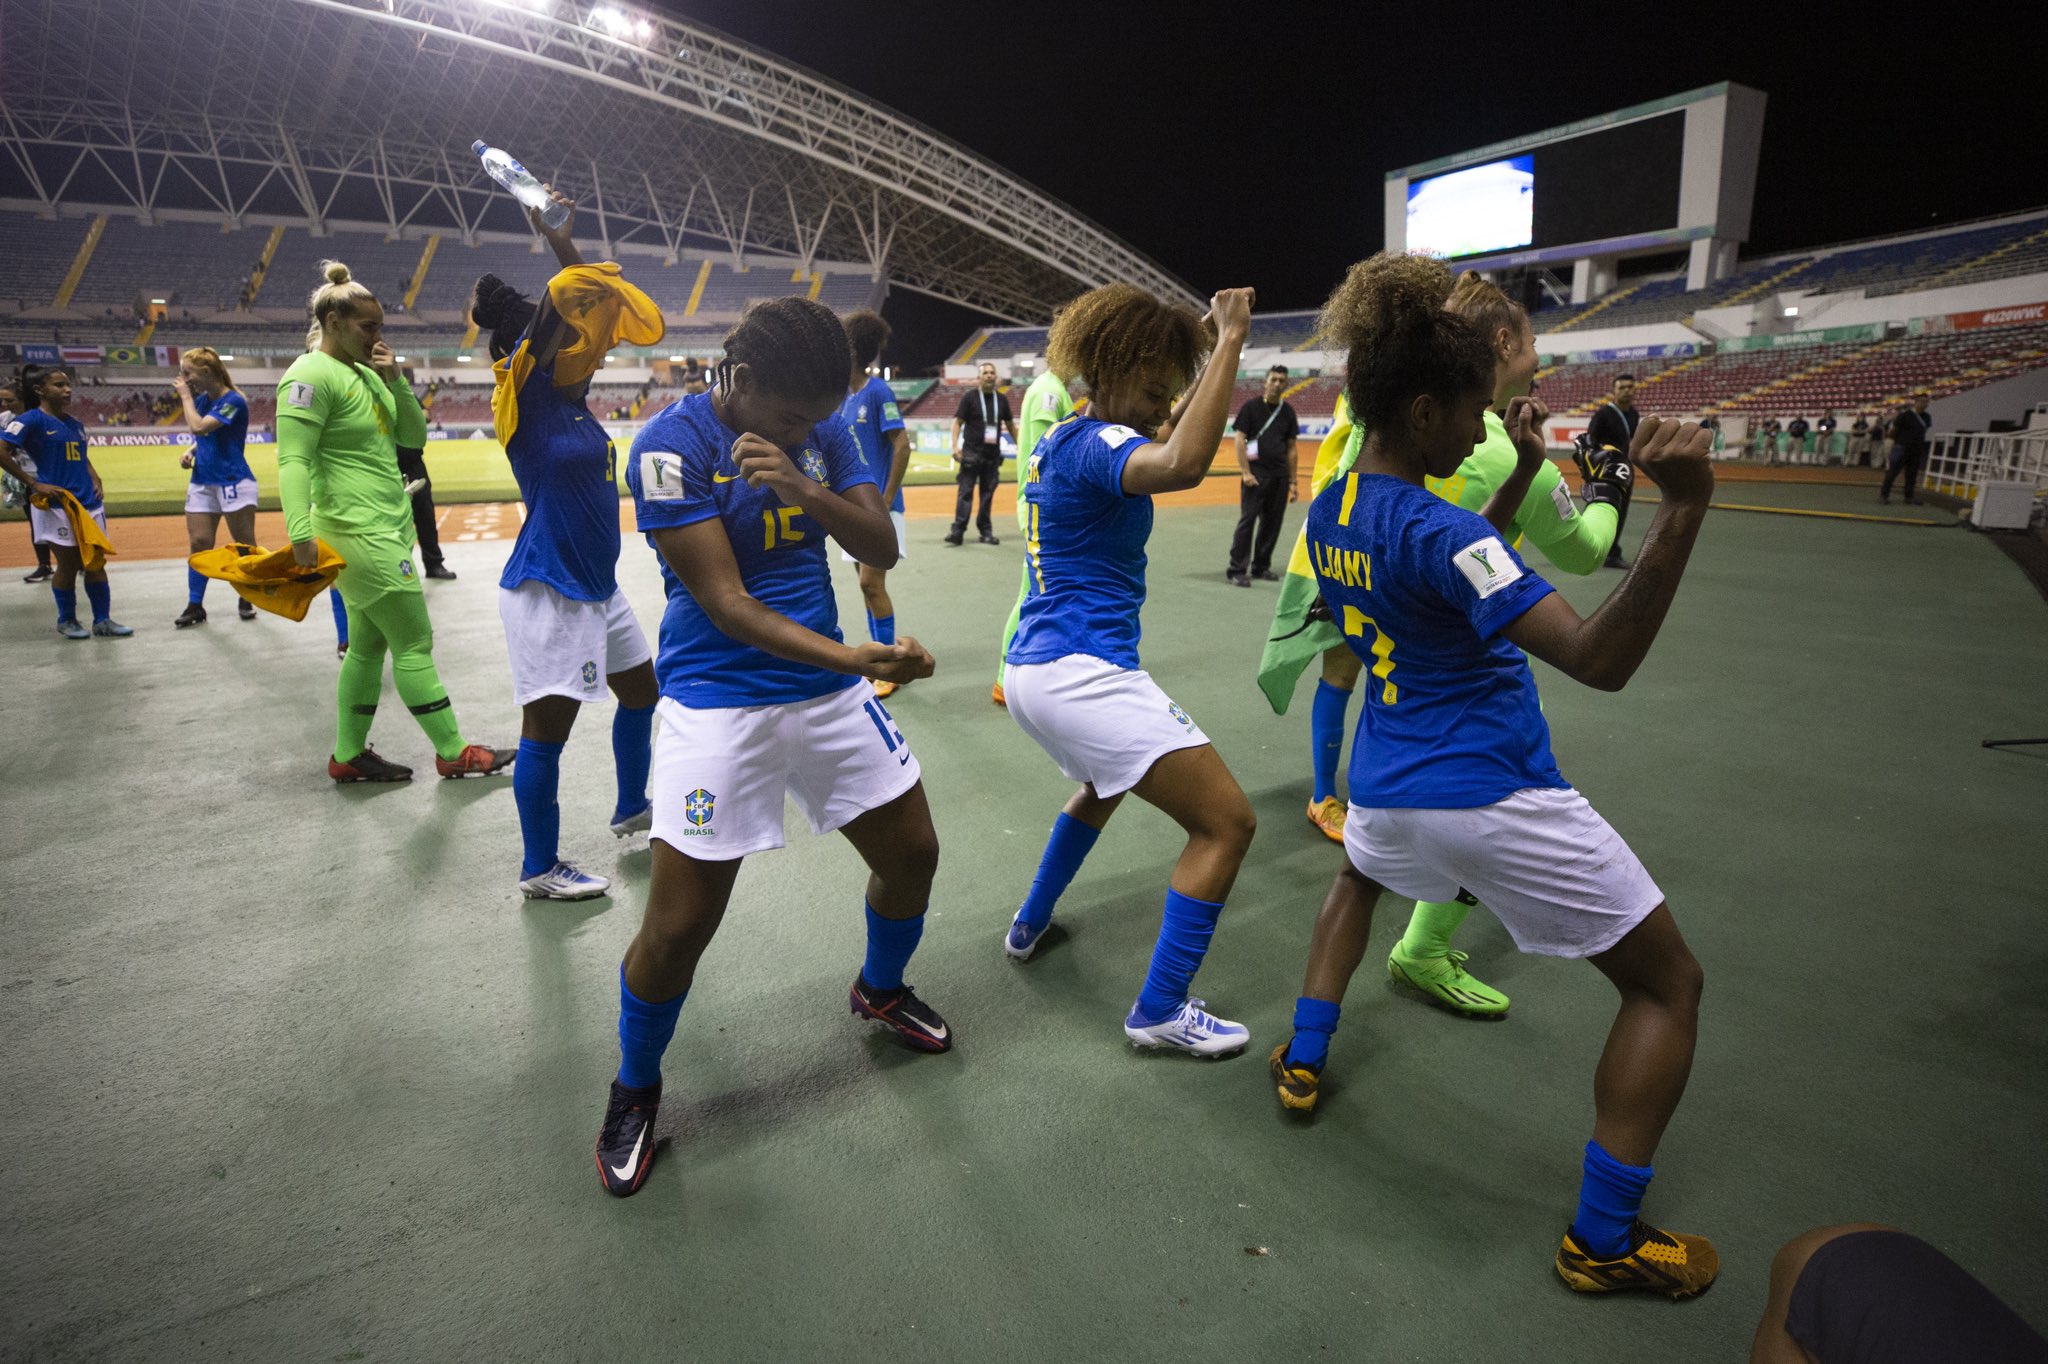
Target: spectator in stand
[(12, 406), (1824, 439), (1795, 451), (978, 424), (1614, 425), (1909, 447), (1267, 430)]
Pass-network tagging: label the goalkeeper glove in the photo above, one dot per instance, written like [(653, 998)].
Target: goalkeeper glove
[(1606, 472)]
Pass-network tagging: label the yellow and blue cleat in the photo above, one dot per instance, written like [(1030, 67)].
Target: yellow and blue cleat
[(1670, 1264), (1296, 1084), (1444, 982)]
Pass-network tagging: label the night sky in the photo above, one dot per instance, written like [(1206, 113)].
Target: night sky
[(1247, 144)]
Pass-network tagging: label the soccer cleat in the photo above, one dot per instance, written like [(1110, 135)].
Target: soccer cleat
[(883, 690), (564, 882), (41, 575), (111, 629), (71, 629), (639, 821), (1190, 1029), (193, 614), (625, 1144), (1672, 1264), (1327, 814), (367, 766), (1446, 983), (903, 1013), (245, 608), (995, 694), (1020, 939), (1297, 1083), (475, 760)]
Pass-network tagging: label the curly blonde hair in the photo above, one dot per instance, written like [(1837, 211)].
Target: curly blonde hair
[(1108, 334), (1388, 315)]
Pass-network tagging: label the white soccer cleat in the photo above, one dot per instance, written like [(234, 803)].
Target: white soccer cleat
[(564, 882), (1020, 940), (1192, 1029), (638, 823)]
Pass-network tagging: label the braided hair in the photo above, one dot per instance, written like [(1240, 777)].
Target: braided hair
[(792, 347), (498, 308), (1389, 316)]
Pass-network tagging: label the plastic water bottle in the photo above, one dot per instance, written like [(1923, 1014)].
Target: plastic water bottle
[(501, 166)]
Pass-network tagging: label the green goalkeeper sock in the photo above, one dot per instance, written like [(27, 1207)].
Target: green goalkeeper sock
[(1430, 928), (356, 692), (419, 686)]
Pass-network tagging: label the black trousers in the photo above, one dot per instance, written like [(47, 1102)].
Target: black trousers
[(978, 473), (1261, 505), (1909, 459), (413, 464)]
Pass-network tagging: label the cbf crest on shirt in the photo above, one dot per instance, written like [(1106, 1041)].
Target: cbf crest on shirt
[(682, 472)]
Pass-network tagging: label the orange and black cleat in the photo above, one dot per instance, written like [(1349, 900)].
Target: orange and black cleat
[(476, 761), (1670, 1264)]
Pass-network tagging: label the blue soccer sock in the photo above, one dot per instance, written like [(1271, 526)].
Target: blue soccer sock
[(101, 595), (882, 629), (1183, 939), (67, 602), (195, 587), (1064, 852), (1326, 736), (340, 616), (890, 943), (1610, 1198), (1315, 1020), (536, 782), (644, 1031), (632, 755)]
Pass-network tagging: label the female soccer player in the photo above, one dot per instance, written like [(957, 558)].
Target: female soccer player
[(871, 412), (11, 406), (54, 440), (1452, 781), (1073, 682), (567, 625), (341, 409), (738, 489), (223, 486)]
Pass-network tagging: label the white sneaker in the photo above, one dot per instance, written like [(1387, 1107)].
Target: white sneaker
[(564, 882), (636, 823), (1191, 1030)]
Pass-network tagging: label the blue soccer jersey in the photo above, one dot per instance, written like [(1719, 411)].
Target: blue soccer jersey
[(1422, 590), (682, 472), (567, 469), (872, 413), (1084, 543), (57, 445), (217, 457)]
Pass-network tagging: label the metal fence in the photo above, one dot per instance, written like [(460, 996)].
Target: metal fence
[(1961, 463)]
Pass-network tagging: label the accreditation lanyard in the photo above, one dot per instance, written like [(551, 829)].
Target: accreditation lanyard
[(1261, 433), (991, 433)]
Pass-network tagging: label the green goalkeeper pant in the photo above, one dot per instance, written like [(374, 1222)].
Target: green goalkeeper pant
[(1010, 628), (394, 623)]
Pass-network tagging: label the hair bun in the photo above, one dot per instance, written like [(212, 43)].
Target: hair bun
[(336, 272), (495, 301)]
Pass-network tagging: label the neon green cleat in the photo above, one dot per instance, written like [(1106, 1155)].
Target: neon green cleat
[(1445, 982)]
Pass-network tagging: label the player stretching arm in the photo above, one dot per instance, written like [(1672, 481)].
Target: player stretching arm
[(1074, 684), (223, 486), (738, 489), (1452, 781)]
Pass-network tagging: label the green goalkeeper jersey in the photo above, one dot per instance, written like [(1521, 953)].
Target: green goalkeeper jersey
[(1576, 541), (1046, 404), (338, 431)]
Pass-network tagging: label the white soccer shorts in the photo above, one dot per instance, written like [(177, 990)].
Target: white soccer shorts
[(1557, 875), (221, 497), (902, 541), (720, 775), (564, 647), (50, 526), (1102, 724)]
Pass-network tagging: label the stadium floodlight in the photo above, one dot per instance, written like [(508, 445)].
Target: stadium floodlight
[(230, 357), (609, 19), (399, 358), (463, 359), (677, 359), (1792, 312)]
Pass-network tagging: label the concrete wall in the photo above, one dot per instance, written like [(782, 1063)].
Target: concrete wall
[(2006, 400), (1614, 338), (1820, 311)]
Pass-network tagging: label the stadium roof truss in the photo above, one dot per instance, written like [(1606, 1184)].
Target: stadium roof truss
[(670, 135)]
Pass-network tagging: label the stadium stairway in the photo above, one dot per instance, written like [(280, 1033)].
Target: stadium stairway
[(1618, 296), (1766, 285), (81, 260), (1958, 273), (1646, 387)]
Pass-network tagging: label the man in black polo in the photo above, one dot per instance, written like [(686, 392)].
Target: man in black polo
[(1909, 447), (978, 426), (1266, 429), (1614, 423)]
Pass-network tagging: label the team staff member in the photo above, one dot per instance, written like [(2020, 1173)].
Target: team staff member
[(341, 408), (223, 486), (1267, 431), (568, 628), (978, 424), (10, 407), (1074, 684), (877, 424), (1909, 447), (1613, 427), (738, 490), (426, 522), (1047, 402), (55, 441), (1452, 781)]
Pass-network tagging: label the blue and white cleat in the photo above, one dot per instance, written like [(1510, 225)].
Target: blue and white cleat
[(71, 629), (1021, 939), (564, 882), (637, 823), (1191, 1029), (111, 629)]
